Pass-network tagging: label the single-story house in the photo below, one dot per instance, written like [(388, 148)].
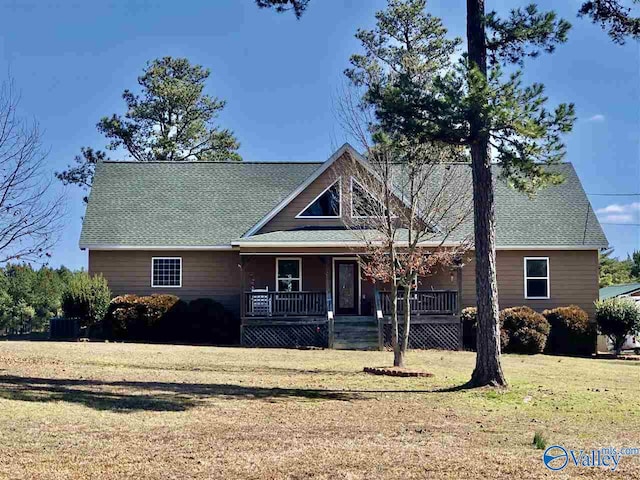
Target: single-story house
[(268, 240)]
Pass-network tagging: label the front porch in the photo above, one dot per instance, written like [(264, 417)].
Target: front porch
[(311, 300)]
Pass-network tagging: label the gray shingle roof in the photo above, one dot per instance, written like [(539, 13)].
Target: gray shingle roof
[(207, 204), (312, 236), (184, 204), (557, 216)]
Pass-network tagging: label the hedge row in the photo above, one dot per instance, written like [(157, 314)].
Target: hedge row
[(166, 318), (560, 331)]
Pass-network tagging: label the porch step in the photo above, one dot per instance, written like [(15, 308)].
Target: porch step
[(346, 319), (355, 333), (341, 345)]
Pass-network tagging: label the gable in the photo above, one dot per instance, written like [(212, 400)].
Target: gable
[(347, 170), (328, 204), (288, 218)]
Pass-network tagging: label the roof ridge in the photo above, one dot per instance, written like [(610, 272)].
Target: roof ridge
[(267, 162), (224, 162)]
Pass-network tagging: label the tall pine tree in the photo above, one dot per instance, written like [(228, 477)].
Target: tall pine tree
[(172, 119), (477, 106)]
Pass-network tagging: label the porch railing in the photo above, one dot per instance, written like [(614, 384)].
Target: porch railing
[(424, 302), (284, 304)]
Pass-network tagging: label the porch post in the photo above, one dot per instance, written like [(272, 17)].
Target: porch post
[(330, 319), (243, 307), (459, 302)]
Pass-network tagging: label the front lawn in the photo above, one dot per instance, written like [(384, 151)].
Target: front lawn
[(104, 410)]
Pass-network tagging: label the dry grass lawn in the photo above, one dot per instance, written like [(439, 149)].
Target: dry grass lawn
[(92, 410)]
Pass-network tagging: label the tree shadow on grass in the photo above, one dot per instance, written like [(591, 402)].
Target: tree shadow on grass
[(129, 396)]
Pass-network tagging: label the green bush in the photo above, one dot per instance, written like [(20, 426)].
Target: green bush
[(132, 317), (617, 318), (571, 331), (526, 329), (86, 298), (166, 318), (209, 322), (469, 318)]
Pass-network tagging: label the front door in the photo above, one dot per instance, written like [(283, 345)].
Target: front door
[(346, 287)]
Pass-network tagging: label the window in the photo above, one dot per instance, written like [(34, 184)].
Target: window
[(288, 274), (536, 277), (363, 204), (325, 205), (166, 272)]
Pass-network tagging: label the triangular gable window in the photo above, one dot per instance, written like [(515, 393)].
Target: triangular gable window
[(363, 204), (325, 205)]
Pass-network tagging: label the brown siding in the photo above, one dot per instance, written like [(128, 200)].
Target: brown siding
[(204, 274), (260, 272), (574, 276), (573, 279)]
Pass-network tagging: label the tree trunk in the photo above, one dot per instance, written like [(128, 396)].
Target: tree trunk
[(395, 342), (488, 370), (406, 324)]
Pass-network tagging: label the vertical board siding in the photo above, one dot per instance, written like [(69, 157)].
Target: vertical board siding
[(573, 279)]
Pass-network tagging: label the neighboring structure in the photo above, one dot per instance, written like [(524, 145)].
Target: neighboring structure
[(631, 290), (268, 241)]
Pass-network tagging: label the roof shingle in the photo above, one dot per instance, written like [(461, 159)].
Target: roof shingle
[(199, 204)]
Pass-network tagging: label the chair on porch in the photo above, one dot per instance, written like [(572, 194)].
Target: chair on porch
[(261, 304)]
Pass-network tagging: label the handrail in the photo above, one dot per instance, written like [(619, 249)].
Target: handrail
[(283, 304), (424, 302)]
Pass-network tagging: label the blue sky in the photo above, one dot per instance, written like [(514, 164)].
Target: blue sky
[(72, 60)]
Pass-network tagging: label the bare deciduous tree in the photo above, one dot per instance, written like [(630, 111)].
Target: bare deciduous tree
[(409, 205), (30, 212)]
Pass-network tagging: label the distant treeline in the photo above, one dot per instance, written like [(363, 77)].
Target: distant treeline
[(29, 297)]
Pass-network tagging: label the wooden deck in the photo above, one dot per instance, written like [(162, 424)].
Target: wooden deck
[(306, 319)]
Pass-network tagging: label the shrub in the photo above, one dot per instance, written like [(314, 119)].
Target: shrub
[(571, 331), (469, 318), (143, 318), (209, 322), (86, 298), (617, 318), (166, 318), (527, 330)]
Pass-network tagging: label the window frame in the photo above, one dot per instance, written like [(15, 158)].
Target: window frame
[(153, 259), (278, 278), (375, 199), (306, 217), (547, 278)]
